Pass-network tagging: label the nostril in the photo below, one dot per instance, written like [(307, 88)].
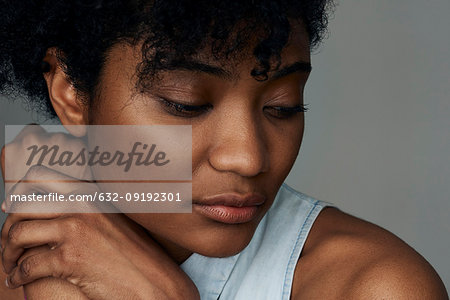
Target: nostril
[(245, 161)]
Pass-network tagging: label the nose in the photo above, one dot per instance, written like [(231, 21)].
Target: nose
[(238, 144)]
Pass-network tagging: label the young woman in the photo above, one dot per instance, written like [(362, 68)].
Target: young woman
[(235, 71)]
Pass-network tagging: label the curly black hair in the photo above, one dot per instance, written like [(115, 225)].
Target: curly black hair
[(82, 31)]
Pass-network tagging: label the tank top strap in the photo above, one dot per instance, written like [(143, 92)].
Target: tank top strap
[(265, 268)]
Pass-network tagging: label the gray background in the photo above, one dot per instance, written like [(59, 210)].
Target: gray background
[(377, 139)]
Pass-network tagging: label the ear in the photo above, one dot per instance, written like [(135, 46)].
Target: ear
[(63, 96)]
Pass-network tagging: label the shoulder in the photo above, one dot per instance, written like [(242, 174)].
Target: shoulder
[(346, 257)]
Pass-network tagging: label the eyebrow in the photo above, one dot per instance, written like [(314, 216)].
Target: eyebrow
[(300, 66), (197, 66)]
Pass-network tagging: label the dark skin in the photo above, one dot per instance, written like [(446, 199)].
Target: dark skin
[(241, 146), (223, 161)]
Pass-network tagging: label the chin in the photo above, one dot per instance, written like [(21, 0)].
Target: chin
[(223, 243)]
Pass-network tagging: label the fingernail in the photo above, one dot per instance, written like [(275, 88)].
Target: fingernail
[(6, 282), (3, 206)]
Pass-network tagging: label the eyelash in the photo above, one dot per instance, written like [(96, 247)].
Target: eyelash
[(283, 112), (190, 111), (183, 110)]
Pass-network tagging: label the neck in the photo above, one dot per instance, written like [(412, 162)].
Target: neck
[(177, 253)]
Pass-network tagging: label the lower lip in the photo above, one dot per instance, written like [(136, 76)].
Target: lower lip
[(227, 214)]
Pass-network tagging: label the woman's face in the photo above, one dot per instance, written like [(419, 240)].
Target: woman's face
[(240, 145)]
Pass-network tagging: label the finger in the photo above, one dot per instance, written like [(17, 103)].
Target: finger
[(29, 234), (42, 172), (31, 128), (33, 251), (32, 268), (33, 145), (60, 143), (48, 180), (14, 217), (18, 217), (9, 165), (43, 180)]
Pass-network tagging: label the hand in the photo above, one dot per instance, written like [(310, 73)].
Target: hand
[(46, 288), (127, 236), (106, 255), (34, 134)]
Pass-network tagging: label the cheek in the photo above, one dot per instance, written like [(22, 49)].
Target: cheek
[(200, 145), (105, 110), (282, 142), (116, 109), (285, 142)]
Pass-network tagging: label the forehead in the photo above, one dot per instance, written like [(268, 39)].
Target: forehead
[(124, 57)]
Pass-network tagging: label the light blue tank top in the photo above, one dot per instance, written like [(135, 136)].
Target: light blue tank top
[(265, 268)]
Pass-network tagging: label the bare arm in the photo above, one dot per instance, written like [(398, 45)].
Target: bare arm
[(348, 258), (406, 276)]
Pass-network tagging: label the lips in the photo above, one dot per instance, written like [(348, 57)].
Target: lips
[(230, 208), (232, 199)]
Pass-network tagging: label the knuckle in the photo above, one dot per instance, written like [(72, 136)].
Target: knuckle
[(62, 256), (66, 257), (29, 139), (35, 172), (14, 232), (59, 138), (26, 267), (74, 226), (13, 282)]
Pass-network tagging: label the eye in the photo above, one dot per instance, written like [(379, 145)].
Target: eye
[(183, 110), (285, 112)]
